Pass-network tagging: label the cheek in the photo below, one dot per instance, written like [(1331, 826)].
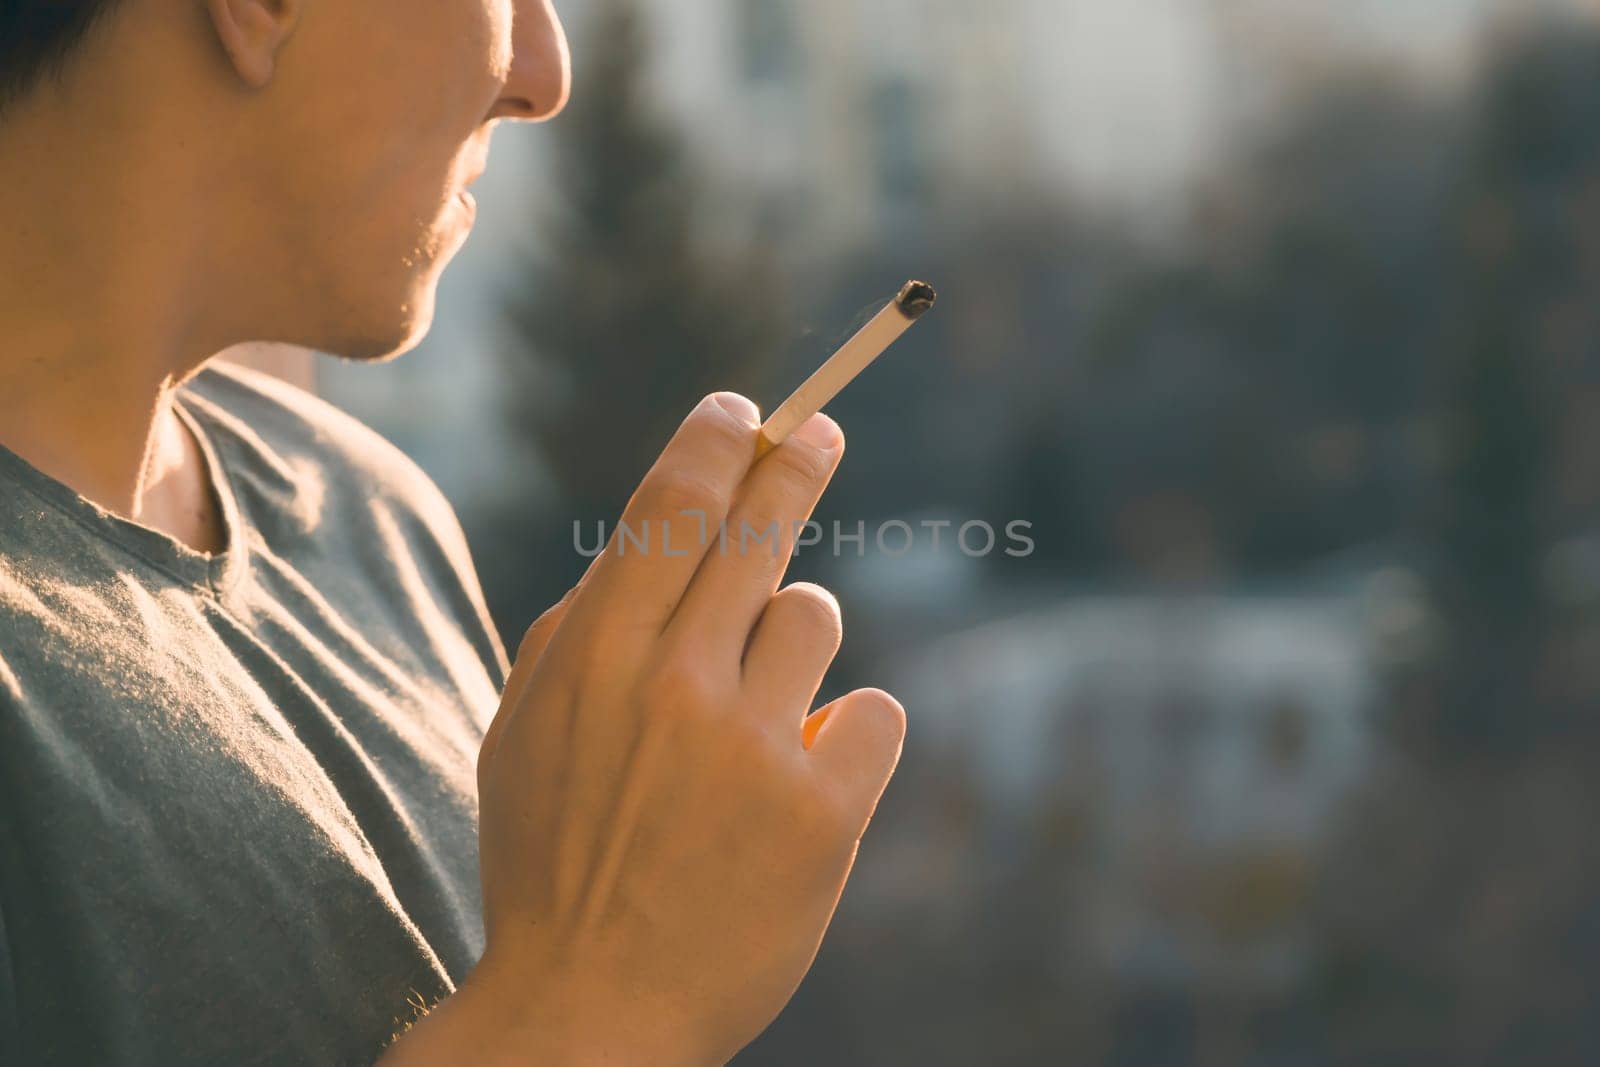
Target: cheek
[(448, 64), (367, 173), (423, 85)]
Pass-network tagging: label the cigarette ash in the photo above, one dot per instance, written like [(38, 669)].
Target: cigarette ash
[(916, 298)]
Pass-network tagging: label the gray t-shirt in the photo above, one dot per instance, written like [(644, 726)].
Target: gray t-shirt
[(238, 817)]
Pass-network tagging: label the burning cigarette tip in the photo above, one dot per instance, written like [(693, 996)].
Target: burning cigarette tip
[(915, 298)]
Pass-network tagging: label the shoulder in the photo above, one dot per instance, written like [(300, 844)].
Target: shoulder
[(297, 442), (330, 495)]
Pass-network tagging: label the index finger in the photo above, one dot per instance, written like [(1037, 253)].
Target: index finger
[(669, 523)]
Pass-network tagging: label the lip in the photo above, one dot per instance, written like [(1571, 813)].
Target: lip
[(468, 201)]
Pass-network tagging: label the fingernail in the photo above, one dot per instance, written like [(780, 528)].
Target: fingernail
[(739, 407), (821, 432)]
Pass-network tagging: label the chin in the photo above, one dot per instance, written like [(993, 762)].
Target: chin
[(373, 315), (398, 333)]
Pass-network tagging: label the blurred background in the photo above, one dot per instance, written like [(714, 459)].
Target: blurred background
[(1279, 320)]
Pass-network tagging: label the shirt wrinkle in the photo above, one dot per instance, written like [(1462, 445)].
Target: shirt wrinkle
[(238, 810)]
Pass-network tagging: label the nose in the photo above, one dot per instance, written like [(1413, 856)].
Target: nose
[(540, 78)]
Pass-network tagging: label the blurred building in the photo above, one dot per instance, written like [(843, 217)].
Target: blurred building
[(847, 123), (838, 123), (1198, 747), (1003, 690)]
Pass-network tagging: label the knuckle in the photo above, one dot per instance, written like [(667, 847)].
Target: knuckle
[(891, 713), (593, 655), (681, 687), (746, 745), (817, 607), (759, 535), (676, 490), (887, 718), (532, 637), (539, 633), (830, 814), (484, 767), (798, 468)]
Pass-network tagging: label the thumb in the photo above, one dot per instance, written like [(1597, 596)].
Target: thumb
[(856, 742)]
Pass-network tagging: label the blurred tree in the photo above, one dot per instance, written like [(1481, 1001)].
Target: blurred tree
[(1302, 320), (1457, 923), (624, 313), (1488, 537), (630, 313)]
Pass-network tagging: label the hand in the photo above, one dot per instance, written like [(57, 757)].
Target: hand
[(665, 834)]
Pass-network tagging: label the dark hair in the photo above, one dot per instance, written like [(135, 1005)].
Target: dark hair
[(37, 37)]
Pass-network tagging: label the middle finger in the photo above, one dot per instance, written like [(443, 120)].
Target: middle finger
[(742, 569)]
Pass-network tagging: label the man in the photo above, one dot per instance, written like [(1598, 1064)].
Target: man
[(270, 790)]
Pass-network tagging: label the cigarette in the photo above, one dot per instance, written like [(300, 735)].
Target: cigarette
[(870, 342)]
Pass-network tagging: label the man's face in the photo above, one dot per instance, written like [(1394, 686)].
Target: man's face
[(377, 118)]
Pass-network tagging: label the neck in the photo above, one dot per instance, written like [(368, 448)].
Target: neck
[(101, 316)]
